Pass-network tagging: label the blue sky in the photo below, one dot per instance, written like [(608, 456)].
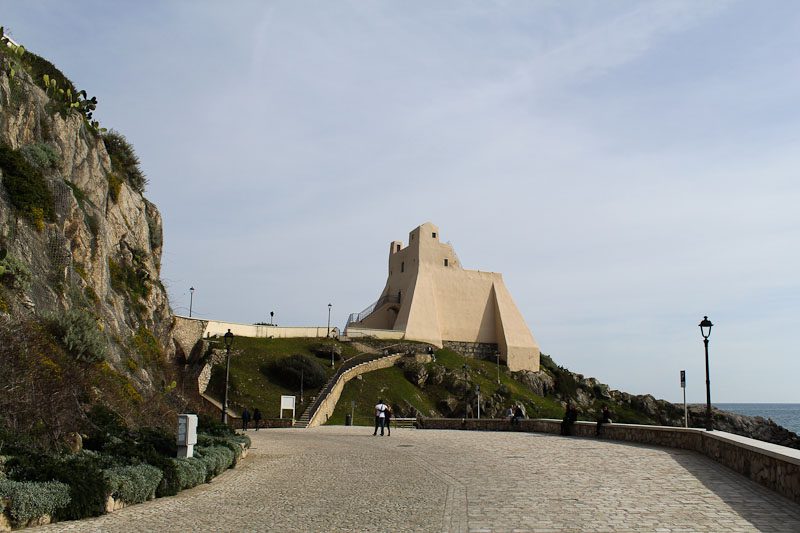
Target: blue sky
[(628, 166)]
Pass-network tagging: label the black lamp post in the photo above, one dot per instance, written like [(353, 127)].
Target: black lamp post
[(705, 331), (466, 391), (191, 300), (228, 342), (329, 331)]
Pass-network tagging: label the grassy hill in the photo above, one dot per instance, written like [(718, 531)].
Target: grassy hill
[(251, 383), (436, 388)]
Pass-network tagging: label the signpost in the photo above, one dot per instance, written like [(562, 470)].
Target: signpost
[(685, 410), (287, 402)]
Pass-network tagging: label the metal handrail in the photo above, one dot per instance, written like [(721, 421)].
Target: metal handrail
[(386, 298)]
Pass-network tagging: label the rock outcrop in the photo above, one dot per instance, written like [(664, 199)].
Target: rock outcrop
[(100, 249)]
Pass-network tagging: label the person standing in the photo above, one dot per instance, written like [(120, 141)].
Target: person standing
[(245, 419), (256, 417), (380, 417), (388, 421)]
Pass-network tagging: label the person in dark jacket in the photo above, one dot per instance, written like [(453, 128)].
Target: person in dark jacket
[(245, 419), (570, 417), (605, 418), (256, 417), (387, 420)]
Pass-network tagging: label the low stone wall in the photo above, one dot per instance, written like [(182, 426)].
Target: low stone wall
[(775, 467), (329, 404), (476, 350)]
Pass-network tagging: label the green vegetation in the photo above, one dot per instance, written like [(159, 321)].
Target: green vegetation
[(133, 484), (26, 186), (124, 161), (148, 347), (65, 97), (14, 273), (289, 371), (130, 279), (79, 333), (249, 387), (41, 156), (406, 398), (28, 500)]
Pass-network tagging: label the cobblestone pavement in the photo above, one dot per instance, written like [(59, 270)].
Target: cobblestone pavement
[(344, 479)]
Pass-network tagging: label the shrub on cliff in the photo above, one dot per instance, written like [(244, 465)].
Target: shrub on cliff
[(27, 189), (80, 334), (124, 160)]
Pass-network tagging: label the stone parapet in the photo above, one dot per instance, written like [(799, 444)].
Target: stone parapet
[(775, 467)]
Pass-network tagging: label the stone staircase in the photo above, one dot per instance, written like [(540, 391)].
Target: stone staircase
[(366, 355)]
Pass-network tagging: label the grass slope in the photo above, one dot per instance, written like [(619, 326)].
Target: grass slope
[(361, 395), (250, 387)]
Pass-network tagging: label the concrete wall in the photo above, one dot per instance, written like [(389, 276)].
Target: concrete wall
[(219, 328), (775, 467), (440, 301), (329, 404), (382, 334)]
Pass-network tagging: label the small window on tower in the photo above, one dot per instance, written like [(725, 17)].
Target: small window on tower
[(403, 266), (434, 234), (446, 262), (398, 247)]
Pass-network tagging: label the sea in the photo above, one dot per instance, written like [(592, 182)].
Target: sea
[(783, 414)]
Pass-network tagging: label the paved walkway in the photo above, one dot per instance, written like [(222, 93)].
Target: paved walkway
[(344, 479)]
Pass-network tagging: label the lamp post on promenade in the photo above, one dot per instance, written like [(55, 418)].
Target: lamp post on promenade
[(228, 342), (191, 300), (705, 331), (328, 336), (272, 318), (466, 391)]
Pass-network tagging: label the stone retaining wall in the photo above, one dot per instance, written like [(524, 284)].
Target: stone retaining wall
[(475, 350), (327, 406), (775, 467)]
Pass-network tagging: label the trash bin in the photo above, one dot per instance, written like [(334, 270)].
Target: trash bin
[(348, 420)]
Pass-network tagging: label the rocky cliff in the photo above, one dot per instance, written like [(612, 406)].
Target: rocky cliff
[(75, 229), (589, 395)]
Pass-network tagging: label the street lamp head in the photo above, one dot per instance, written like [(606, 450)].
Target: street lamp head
[(228, 339), (705, 327), (330, 305)]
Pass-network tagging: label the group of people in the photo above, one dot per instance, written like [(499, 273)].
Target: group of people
[(383, 418), (514, 414), (571, 416), (246, 418)]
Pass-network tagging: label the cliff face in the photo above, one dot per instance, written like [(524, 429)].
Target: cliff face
[(100, 246)]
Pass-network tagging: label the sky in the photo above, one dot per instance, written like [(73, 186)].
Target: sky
[(628, 166)]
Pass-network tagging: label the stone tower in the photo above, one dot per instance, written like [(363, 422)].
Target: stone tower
[(431, 298)]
